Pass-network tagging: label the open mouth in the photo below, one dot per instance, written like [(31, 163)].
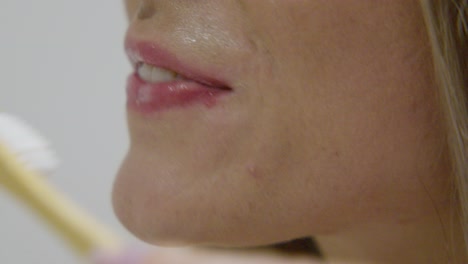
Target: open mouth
[(152, 89), (154, 75), (161, 82)]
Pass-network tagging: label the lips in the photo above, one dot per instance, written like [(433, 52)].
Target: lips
[(161, 81)]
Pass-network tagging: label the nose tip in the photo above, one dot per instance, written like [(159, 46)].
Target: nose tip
[(146, 10)]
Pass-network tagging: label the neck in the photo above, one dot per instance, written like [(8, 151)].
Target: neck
[(434, 240)]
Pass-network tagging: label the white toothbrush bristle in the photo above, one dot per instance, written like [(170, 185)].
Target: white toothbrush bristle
[(27, 144)]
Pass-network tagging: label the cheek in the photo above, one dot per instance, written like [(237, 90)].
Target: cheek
[(355, 120), (379, 150), (354, 161)]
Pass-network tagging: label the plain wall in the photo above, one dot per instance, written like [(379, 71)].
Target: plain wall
[(63, 70)]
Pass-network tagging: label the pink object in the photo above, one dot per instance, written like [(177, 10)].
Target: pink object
[(130, 255)]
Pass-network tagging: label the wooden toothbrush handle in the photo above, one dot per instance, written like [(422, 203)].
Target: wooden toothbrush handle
[(81, 231)]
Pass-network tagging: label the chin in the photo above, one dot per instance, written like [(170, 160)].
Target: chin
[(147, 210), (202, 213)]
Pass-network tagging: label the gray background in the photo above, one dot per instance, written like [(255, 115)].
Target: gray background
[(63, 70)]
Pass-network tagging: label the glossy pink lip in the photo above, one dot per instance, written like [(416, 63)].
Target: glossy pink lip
[(195, 87)]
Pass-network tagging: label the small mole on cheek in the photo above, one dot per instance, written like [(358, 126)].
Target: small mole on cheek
[(253, 172)]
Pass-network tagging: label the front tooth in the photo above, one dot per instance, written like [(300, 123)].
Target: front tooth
[(144, 71), (152, 74), (162, 75)]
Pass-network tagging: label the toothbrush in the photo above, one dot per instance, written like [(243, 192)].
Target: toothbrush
[(23, 155)]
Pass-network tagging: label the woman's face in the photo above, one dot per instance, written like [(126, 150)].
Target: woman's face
[(329, 123)]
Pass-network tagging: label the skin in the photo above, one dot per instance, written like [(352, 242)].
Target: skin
[(332, 130)]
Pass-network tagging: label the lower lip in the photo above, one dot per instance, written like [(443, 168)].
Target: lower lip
[(149, 98)]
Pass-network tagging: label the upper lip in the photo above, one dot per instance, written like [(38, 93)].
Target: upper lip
[(139, 51)]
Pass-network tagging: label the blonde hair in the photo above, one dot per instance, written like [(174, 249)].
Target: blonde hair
[(447, 26)]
